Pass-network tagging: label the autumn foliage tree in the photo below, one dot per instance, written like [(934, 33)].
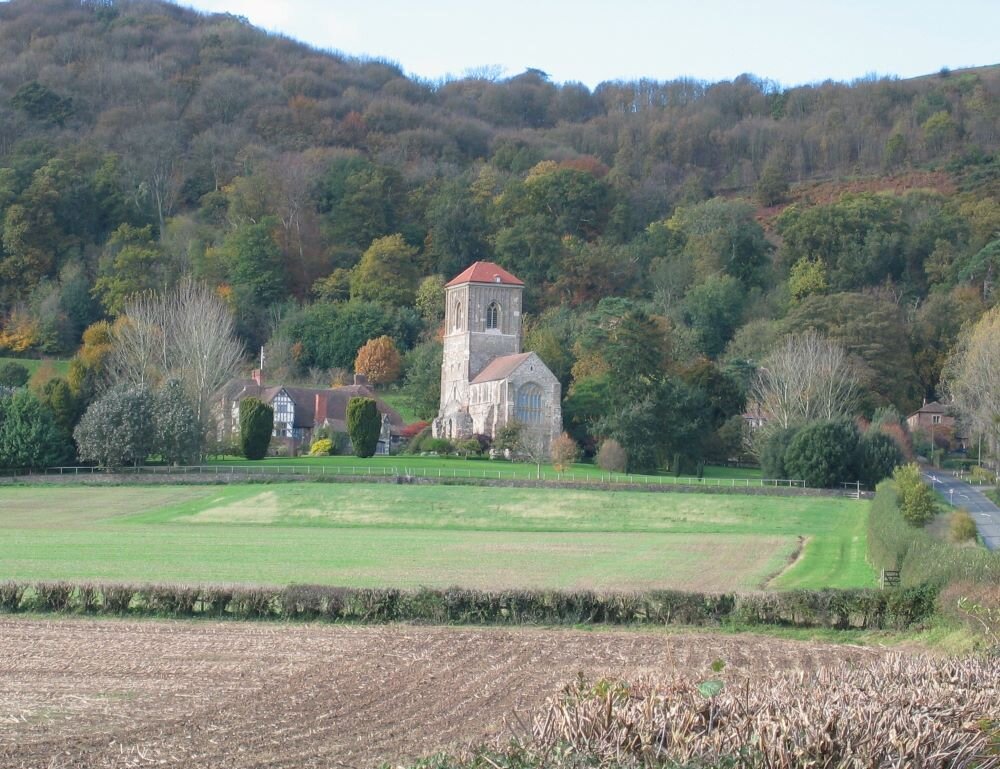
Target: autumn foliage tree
[(564, 451), (379, 361)]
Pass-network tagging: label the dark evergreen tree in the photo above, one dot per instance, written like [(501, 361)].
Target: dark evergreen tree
[(772, 453), (823, 454), (256, 427), (13, 374), (29, 437), (878, 456), (364, 424)]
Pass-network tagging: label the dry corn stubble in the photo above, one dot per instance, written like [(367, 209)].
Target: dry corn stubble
[(889, 711)]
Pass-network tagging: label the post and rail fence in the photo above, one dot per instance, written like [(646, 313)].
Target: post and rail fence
[(404, 474)]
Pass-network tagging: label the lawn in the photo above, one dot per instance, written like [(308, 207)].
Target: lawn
[(457, 467), (387, 535), (57, 366)]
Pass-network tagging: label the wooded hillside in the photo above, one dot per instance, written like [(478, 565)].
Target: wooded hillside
[(141, 142)]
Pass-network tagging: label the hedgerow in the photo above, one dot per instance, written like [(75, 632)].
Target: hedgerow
[(867, 609), (921, 559)]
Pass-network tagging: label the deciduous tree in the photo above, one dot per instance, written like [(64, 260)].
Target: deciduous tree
[(117, 429), (386, 273), (564, 452), (178, 435), (378, 359), (806, 378), (972, 377)]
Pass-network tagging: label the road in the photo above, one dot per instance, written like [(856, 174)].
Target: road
[(961, 494)]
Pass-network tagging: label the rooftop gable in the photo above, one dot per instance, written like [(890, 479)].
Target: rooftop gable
[(484, 272), (501, 368)]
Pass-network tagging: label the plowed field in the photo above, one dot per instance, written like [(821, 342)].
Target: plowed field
[(88, 693)]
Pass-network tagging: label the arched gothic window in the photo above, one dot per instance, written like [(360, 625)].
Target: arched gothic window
[(458, 315), (493, 316), (528, 406)]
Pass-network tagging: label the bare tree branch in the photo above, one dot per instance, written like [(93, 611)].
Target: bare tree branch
[(808, 377)]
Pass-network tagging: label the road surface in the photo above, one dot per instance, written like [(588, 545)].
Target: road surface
[(961, 494)]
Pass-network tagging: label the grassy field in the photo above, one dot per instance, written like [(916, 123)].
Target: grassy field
[(482, 468), (58, 367), (386, 535)]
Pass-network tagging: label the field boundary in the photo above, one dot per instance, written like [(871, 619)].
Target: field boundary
[(216, 474), (851, 609)]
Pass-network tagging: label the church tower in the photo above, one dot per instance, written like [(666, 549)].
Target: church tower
[(486, 381), (482, 322)]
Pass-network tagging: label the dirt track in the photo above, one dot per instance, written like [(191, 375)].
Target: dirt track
[(90, 693)]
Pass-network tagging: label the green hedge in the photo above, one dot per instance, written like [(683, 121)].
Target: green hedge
[(799, 608), (921, 558)]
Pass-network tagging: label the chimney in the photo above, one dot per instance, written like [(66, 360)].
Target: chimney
[(258, 377), (320, 415)]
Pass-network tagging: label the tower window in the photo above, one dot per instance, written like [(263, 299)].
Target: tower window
[(493, 315), (458, 315), (528, 407)]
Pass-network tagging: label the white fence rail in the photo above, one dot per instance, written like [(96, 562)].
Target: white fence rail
[(404, 473)]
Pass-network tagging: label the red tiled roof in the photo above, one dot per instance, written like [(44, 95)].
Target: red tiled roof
[(500, 368), (485, 272)]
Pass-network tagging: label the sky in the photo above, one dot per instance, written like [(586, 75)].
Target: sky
[(590, 41)]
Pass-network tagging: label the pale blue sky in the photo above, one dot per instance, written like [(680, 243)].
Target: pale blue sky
[(791, 41)]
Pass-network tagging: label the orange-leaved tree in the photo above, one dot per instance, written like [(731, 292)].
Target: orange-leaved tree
[(378, 359)]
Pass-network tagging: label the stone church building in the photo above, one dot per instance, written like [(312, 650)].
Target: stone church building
[(486, 381)]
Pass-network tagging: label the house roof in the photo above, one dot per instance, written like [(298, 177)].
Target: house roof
[(501, 368), (930, 408), (304, 399), (484, 272)]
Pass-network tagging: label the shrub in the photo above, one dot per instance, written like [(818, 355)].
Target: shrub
[(976, 606), (878, 455), (13, 375), (302, 601), (916, 499), (256, 426), (52, 596), (87, 597), (11, 594), (469, 447), (321, 448), (175, 600), (771, 453), (416, 443), (215, 599), (962, 526), (565, 452), (253, 602), (823, 454), (363, 426), (611, 456), (117, 598), (438, 446), (979, 474)]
